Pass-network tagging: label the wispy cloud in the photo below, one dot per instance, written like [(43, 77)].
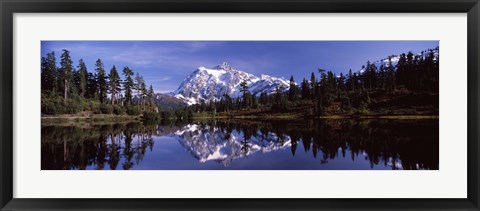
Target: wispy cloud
[(145, 55), (195, 46), (141, 58), (255, 66), (77, 50), (141, 55), (161, 79)]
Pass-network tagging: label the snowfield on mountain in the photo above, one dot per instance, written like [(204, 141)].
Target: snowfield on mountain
[(212, 84)]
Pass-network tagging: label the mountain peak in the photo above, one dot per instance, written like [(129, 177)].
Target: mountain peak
[(223, 66), (211, 84)]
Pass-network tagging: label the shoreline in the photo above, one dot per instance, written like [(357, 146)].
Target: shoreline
[(103, 118), (286, 117), (96, 118)]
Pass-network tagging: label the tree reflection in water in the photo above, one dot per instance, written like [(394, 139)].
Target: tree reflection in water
[(399, 144)]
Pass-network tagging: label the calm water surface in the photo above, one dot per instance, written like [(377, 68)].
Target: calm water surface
[(244, 145)]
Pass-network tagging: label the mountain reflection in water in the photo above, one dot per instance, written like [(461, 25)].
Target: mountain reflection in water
[(245, 145)]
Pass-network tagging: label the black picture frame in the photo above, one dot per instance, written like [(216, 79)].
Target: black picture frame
[(9, 7)]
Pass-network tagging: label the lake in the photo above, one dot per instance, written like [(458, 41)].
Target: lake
[(334, 144)]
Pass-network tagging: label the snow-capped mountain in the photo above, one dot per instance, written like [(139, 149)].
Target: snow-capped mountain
[(208, 143), (212, 83)]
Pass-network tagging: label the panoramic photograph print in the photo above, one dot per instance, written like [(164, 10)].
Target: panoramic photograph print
[(239, 105)]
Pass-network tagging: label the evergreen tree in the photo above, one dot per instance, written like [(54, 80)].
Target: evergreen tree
[(328, 88), (326, 92), (43, 70), (341, 83), (305, 89), (313, 83), (351, 80), (139, 84), (245, 92), (101, 81), (114, 83), (228, 102), (391, 79), (49, 73), (82, 78), (409, 70), (263, 98), (400, 72), (128, 85), (371, 76), (143, 92), (254, 101), (66, 66), (431, 72), (382, 78), (150, 95), (92, 86), (279, 102), (356, 82), (292, 92), (203, 106)]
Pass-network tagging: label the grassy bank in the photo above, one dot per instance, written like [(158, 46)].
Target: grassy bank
[(297, 117), (69, 119), (93, 118), (298, 112)]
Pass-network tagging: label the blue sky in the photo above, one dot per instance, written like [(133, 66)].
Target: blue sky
[(165, 64)]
